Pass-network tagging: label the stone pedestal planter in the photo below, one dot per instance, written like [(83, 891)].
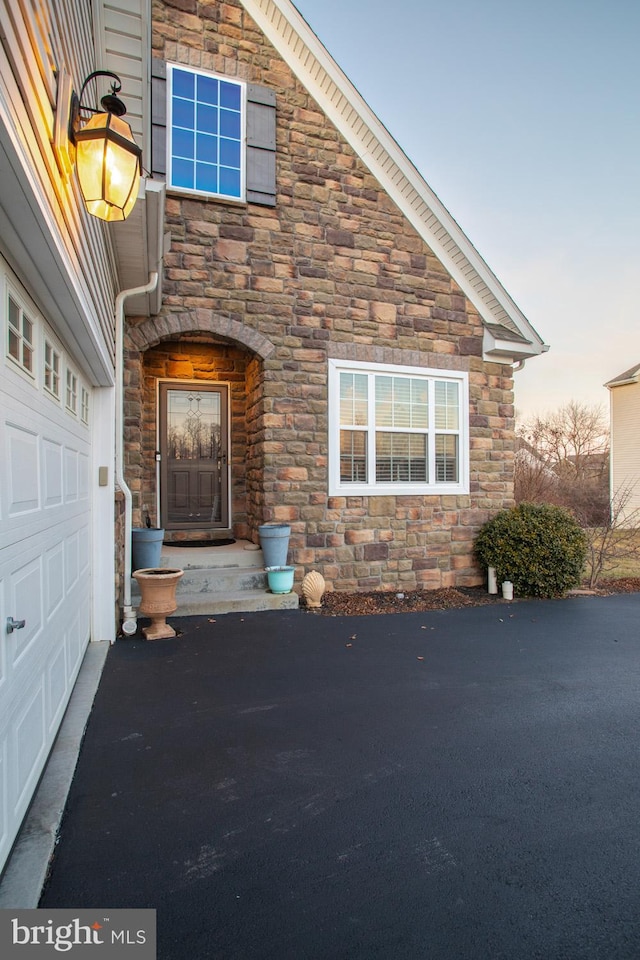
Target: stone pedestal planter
[(158, 590)]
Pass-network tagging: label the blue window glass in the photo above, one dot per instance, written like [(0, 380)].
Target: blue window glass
[(206, 134), (229, 124), (229, 95), (229, 182), (207, 178), (208, 90), (183, 143), (183, 114), (207, 148), (207, 118), (183, 84), (182, 173), (230, 153)]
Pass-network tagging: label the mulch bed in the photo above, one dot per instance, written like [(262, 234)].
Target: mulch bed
[(336, 604)]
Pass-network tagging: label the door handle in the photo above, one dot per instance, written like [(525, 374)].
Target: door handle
[(14, 624)]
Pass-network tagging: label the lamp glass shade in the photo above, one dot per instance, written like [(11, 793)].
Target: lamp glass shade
[(108, 166)]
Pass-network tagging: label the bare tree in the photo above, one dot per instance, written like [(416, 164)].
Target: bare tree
[(614, 540), (563, 458)]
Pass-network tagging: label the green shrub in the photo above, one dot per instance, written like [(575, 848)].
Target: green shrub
[(537, 546)]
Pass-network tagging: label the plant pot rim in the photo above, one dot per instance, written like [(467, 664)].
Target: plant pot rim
[(157, 572)]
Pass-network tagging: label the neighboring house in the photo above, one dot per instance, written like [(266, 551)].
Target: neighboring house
[(325, 348), (624, 398)]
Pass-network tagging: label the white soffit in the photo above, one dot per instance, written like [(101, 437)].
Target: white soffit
[(138, 243), (301, 49)]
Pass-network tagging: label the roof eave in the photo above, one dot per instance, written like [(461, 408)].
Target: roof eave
[(509, 351)]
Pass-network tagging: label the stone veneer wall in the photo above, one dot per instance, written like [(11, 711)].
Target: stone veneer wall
[(118, 573), (334, 270)]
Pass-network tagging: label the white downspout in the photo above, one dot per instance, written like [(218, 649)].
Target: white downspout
[(129, 623)]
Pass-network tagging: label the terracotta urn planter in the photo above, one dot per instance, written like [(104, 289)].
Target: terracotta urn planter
[(158, 590)]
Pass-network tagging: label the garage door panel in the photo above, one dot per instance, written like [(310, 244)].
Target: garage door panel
[(70, 475), (58, 679), (83, 477), (23, 474), (54, 579), (26, 599), (72, 561), (52, 473), (34, 526), (83, 552), (5, 838), (3, 646), (77, 637), (29, 741)]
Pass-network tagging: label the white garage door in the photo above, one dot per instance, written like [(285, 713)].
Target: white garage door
[(44, 546)]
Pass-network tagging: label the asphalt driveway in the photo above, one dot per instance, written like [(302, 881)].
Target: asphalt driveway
[(436, 786)]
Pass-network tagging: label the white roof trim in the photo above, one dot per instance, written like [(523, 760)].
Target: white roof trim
[(301, 49), (504, 350)]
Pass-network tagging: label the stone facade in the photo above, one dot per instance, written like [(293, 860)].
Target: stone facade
[(262, 297)]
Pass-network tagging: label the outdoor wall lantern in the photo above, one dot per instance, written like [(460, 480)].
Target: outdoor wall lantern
[(108, 160)]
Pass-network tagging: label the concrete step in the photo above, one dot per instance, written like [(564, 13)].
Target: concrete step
[(220, 580), (239, 554), (210, 604)]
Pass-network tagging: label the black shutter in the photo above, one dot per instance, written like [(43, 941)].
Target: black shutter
[(158, 119), (261, 145), (261, 136)]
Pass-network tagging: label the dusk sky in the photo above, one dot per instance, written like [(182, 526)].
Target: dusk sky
[(524, 117)]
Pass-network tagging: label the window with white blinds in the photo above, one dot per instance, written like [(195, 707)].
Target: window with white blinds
[(397, 429)]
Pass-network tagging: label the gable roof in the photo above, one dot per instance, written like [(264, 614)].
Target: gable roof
[(629, 376), (508, 333)]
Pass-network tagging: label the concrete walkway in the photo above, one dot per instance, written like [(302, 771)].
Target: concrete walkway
[(287, 786)]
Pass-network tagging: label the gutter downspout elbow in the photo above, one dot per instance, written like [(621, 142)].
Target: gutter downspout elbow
[(517, 367), (129, 624)]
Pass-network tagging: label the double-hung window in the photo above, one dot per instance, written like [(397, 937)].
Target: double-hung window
[(400, 430), (206, 127)]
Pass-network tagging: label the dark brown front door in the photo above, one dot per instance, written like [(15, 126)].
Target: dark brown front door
[(193, 447)]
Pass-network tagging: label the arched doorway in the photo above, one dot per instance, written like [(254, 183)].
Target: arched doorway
[(193, 435)]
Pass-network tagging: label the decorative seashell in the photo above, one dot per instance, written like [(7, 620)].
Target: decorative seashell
[(312, 588)]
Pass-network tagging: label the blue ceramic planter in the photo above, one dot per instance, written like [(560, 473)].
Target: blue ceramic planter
[(280, 579), (274, 540), (146, 547)]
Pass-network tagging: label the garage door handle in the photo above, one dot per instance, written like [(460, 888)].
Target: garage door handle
[(14, 624)]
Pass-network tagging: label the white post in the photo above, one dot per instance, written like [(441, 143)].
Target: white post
[(492, 580)]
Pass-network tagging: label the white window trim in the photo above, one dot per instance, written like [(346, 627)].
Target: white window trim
[(341, 489), (71, 410), (49, 340), (186, 191), (85, 404), (27, 307)]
